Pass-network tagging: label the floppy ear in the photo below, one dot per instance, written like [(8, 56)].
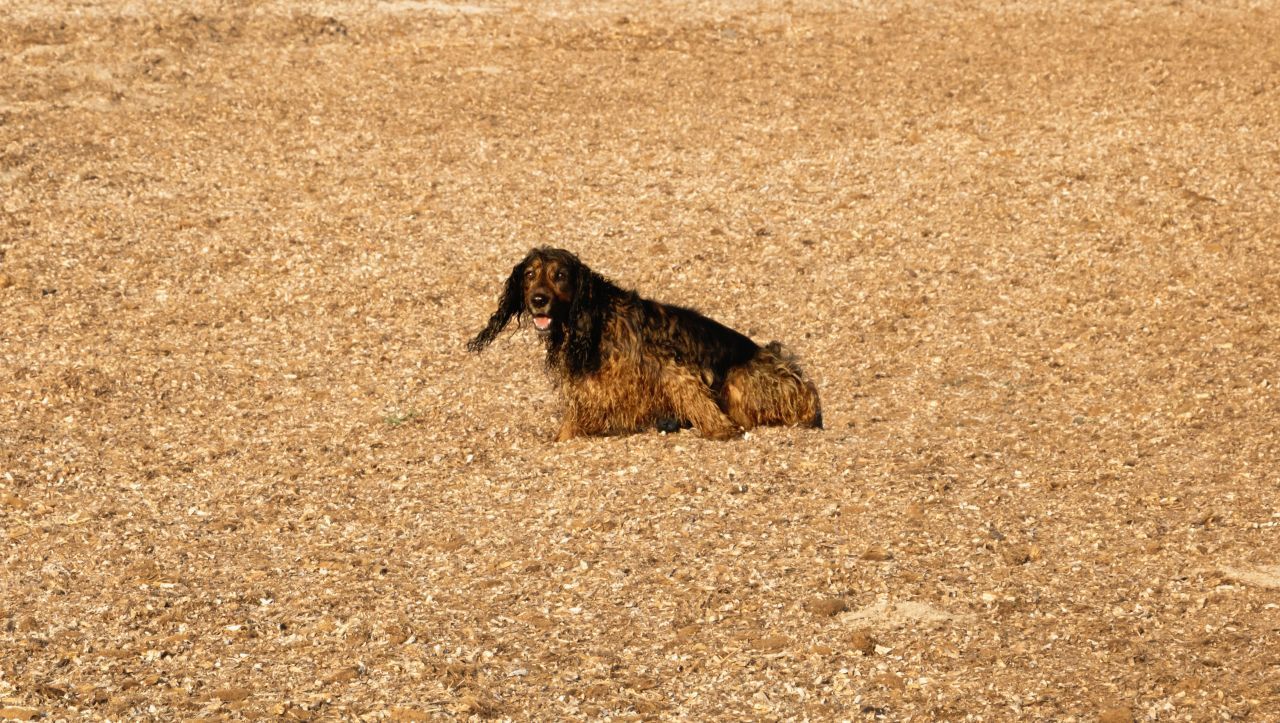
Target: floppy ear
[(586, 320), (510, 304)]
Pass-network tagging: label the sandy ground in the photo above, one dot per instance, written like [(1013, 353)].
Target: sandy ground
[(1028, 251)]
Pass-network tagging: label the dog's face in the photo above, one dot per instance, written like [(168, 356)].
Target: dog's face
[(547, 285)]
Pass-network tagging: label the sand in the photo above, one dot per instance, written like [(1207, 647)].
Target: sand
[(1028, 252)]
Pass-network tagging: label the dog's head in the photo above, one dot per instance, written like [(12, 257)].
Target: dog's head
[(549, 282), (548, 286)]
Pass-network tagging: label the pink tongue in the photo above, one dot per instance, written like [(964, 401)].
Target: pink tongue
[(542, 322)]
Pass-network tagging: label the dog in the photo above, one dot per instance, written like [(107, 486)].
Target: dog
[(625, 364)]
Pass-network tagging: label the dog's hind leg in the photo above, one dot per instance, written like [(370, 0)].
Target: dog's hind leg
[(771, 389), (691, 400), (568, 429)]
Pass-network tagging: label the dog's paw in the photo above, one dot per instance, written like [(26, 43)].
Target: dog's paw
[(721, 434), (670, 425)]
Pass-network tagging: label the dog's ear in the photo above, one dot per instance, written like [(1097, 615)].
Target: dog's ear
[(586, 320), (510, 304)]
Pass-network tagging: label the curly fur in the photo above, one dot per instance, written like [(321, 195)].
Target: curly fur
[(623, 363)]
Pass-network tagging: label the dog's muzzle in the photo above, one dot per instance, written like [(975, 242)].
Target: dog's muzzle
[(539, 305)]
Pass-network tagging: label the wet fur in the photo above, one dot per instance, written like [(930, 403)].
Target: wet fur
[(623, 363)]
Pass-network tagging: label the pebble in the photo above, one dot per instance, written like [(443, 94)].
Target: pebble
[(863, 642), (826, 606), (771, 643), (233, 694), (1116, 715), (877, 554)]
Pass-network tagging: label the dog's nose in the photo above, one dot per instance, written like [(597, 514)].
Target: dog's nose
[(539, 300)]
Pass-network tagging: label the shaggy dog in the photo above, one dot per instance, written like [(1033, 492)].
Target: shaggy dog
[(623, 363)]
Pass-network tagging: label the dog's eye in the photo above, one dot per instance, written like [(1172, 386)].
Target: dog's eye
[(528, 274), (560, 275)]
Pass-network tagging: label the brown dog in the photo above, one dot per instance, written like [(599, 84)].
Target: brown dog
[(623, 363)]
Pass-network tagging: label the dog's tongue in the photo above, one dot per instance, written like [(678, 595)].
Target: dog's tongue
[(542, 322)]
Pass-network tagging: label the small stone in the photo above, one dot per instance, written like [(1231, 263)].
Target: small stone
[(408, 714), (92, 695), (344, 675), (398, 635), (233, 694), (481, 705), (771, 643), (1116, 715), (889, 680), (686, 632), (877, 554), (18, 713), (826, 606), (1019, 554), (1188, 685), (863, 642)]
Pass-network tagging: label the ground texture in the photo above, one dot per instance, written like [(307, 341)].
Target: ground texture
[(1028, 251)]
